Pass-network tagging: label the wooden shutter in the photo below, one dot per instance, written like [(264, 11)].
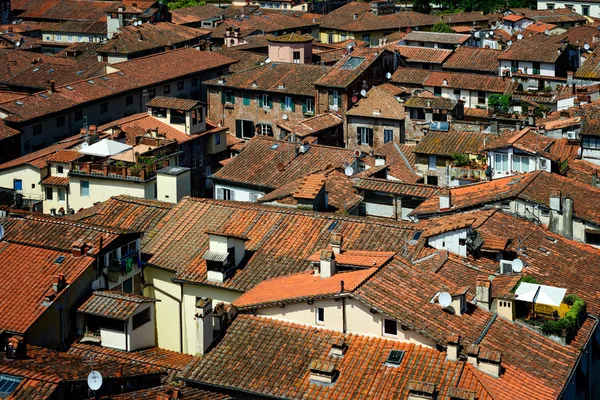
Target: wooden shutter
[(219, 194), (238, 128), (358, 141), (304, 108)]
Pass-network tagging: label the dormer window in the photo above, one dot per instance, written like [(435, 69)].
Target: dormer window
[(225, 253)]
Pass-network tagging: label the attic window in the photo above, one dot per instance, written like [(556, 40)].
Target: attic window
[(395, 357), (59, 260), (417, 235), (50, 71), (36, 69), (42, 95), (91, 82), (70, 87), (104, 78), (544, 250), (8, 384), (275, 146), (78, 72), (121, 73), (19, 103), (333, 225), (550, 238)]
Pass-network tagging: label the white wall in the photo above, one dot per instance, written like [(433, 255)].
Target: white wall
[(577, 6), (379, 210), (30, 177), (450, 241), (102, 188), (113, 339), (534, 162), (239, 193), (143, 336)]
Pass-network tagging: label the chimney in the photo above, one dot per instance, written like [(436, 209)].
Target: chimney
[(505, 306), (483, 292), (452, 350), (15, 348), (355, 16), (204, 324), (379, 160), (531, 116), (338, 346), (567, 215), (555, 219), (336, 241), (445, 199), (494, 126), (490, 362), (139, 35), (51, 86), (322, 372), (58, 283), (304, 147), (327, 264), (78, 248), (169, 394), (472, 354), (419, 390), (224, 254)]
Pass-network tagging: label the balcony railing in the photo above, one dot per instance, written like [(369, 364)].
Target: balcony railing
[(133, 172), (467, 173)]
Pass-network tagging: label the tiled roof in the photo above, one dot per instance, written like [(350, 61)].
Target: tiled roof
[(343, 19), (496, 84), (378, 103), (531, 142), (290, 38), (436, 37), (313, 125), (7, 132), (474, 58), (260, 162), (185, 393), (512, 17), (38, 159), (400, 161), (357, 258), (70, 10), (113, 304), (264, 23), (97, 27), (27, 276), (397, 187), (363, 373), (539, 27), (583, 171), (416, 54), (435, 226), (42, 231), (310, 186), (275, 77), (188, 15), (281, 239), (64, 156), (410, 76), (463, 17), (300, 287), (430, 103), (538, 48), (55, 181), (143, 71), (590, 69), (173, 103), (245, 59), (581, 34), (124, 212), (449, 143), (342, 76), (154, 35), (560, 15)]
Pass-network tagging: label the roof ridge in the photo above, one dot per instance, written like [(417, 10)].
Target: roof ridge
[(404, 157), (98, 228)]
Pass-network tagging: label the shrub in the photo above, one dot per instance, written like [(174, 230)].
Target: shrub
[(461, 159), (568, 324), (441, 27)]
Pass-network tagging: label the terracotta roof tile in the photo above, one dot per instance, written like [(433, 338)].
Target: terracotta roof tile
[(185, 393), (310, 187), (462, 17), (350, 68), (267, 23), (63, 156), (400, 161), (299, 287), (496, 84), (378, 103), (39, 158), (474, 58), (189, 15), (410, 76), (436, 37), (113, 304), (539, 48), (560, 15), (397, 187), (449, 143), (173, 103), (56, 181), (245, 59), (430, 103), (358, 258), (416, 54), (313, 125)]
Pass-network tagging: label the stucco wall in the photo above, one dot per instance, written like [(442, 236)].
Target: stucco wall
[(161, 287), (102, 189)]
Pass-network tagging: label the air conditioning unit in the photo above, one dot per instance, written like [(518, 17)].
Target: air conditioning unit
[(571, 135), (506, 267)]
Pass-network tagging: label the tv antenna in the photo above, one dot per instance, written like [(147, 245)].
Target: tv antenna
[(94, 379)]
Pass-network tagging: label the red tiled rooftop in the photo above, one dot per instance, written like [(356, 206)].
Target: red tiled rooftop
[(55, 181), (113, 304)]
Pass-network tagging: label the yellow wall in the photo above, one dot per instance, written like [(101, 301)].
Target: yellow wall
[(337, 35), (167, 309)]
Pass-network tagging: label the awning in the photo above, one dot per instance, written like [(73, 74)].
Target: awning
[(541, 294), (105, 148), (210, 255)]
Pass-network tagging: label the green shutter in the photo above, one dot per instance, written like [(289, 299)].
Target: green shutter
[(270, 101), (304, 108), (293, 105), (246, 99), (232, 97), (238, 128), (260, 100), (358, 136), (282, 103), (222, 96)]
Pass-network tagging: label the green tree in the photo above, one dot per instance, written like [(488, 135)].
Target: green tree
[(422, 6), (441, 27)]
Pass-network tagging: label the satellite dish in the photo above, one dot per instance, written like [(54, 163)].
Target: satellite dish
[(84, 145), (445, 299), (517, 265), (17, 44), (487, 35), (349, 171), (1, 232), (363, 93), (285, 117), (268, 60), (94, 380), (509, 42), (586, 46), (388, 75), (519, 36)]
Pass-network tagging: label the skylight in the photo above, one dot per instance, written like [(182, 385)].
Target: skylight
[(395, 357), (275, 146), (8, 384), (42, 95), (417, 235), (60, 260), (19, 103), (50, 71), (353, 62), (91, 82), (70, 87), (104, 78), (333, 225), (36, 69)]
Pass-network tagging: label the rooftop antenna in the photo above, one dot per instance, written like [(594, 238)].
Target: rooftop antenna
[(94, 379)]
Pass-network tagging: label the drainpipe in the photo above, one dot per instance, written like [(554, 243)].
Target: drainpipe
[(344, 328), (126, 338), (181, 319)]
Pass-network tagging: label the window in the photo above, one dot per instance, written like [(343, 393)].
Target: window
[(388, 135), (152, 93), (18, 184), (69, 38), (296, 57), (246, 98), (180, 85), (58, 37), (194, 82), (431, 180), (128, 249), (334, 99), (437, 91), (501, 163), (364, 136), (330, 38), (343, 37), (308, 106), (129, 100), (367, 38), (61, 194), (288, 103), (592, 237), (60, 121), (570, 6), (244, 129), (480, 97), (48, 193), (320, 314), (550, 6), (59, 169), (103, 108), (84, 189), (78, 115), (457, 94), (390, 327), (253, 197), (141, 318), (265, 129), (167, 89), (128, 286), (217, 139), (585, 10), (225, 194), (265, 101), (521, 163), (431, 162), (37, 129), (589, 142), (8, 384), (536, 68)]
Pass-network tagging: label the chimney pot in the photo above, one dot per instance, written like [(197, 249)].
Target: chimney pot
[(336, 241), (483, 292), (445, 199), (327, 264), (51, 86)]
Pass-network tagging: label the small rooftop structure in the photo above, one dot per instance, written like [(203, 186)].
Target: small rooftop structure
[(542, 294), (105, 148)]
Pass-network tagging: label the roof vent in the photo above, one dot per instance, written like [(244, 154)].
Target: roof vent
[(281, 86), (395, 357), (445, 199), (322, 372), (91, 82), (336, 241), (445, 82), (221, 80), (338, 346)]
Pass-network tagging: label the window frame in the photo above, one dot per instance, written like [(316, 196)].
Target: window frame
[(385, 326), (20, 184), (364, 136), (141, 318), (388, 136), (320, 319), (49, 193), (86, 186)]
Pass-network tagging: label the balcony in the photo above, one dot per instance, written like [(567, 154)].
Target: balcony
[(138, 171)]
